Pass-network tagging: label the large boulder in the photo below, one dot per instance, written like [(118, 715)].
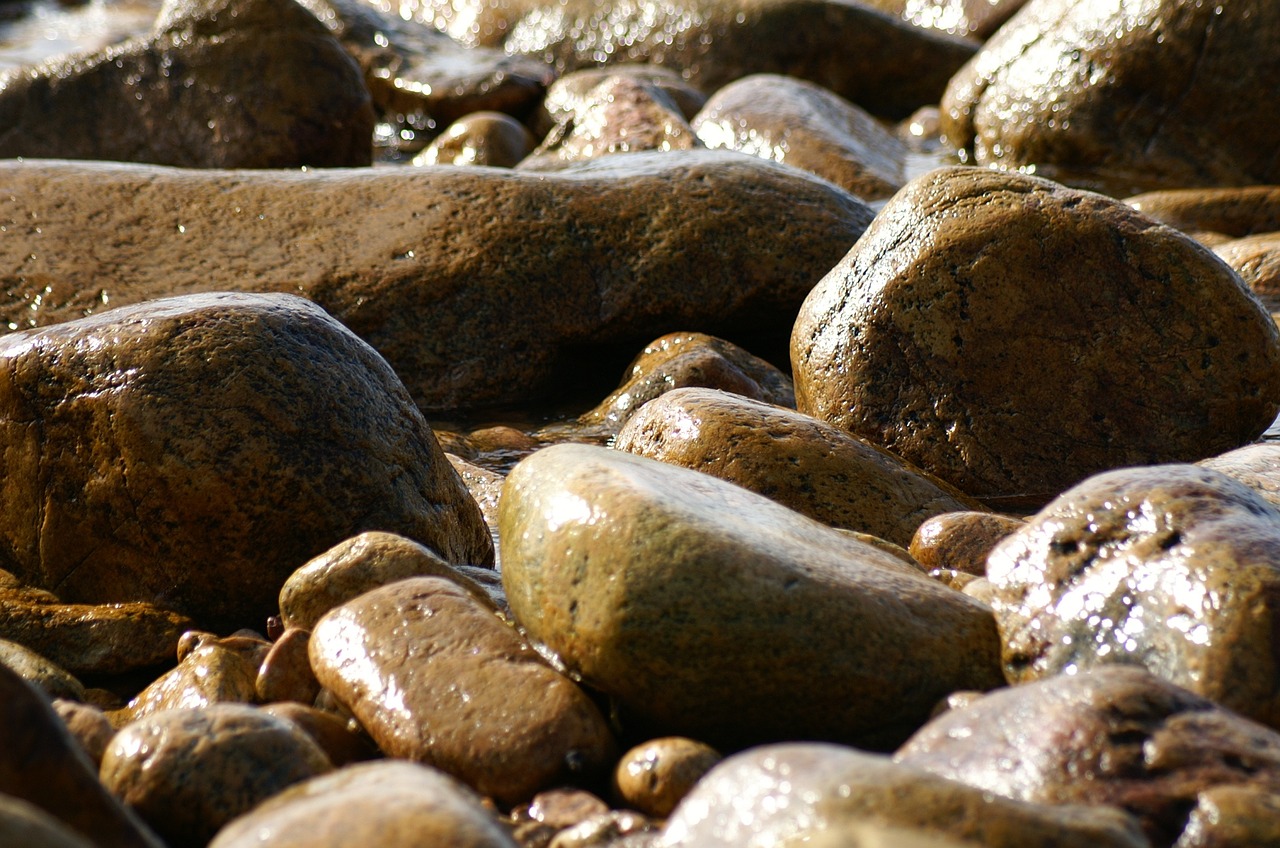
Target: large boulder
[(192, 452), (472, 282), (1013, 336)]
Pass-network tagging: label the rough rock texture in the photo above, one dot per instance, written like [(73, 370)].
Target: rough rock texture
[(471, 282), (189, 772), (799, 791), (1256, 465), (26, 825), (43, 764), (1257, 260), (217, 671), (51, 678), (436, 677), (1235, 212), (802, 463), (1013, 336), (1113, 736), (218, 84), (654, 776), (480, 138), (1174, 568), (977, 18), (388, 804), (805, 126), (960, 541), (192, 452), (1138, 94), (708, 611)]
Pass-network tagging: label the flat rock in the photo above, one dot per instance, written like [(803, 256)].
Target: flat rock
[(1115, 736), (805, 126), (390, 804), (473, 296), (192, 452), (802, 463), (708, 611), (934, 335), (801, 791), (437, 677), (1235, 212), (1173, 568), (1136, 96), (217, 84)]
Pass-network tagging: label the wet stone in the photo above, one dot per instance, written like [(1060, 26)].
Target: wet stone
[(654, 776), (480, 138), (48, 676), (613, 829), (960, 541), (1256, 465), (568, 95), (561, 808), (1235, 212), (1257, 260), (341, 743), (975, 18), (285, 673), (213, 672), (88, 724)]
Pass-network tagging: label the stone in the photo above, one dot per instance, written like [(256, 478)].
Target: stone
[(351, 568), (1172, 568), (805, 126), (1257, 260), (934, 335), (29, 826), (1235, 212), (285, 673), (705, 610), (1231, 816), (568, 95), (802, 463), (1116, 736), (485, 487), (480, 138), (613, 829), (392, 804), (1127, 96), (652, 777), (44, 765), (189, 772), (798, 791), (341, 743), (213, 673), (51, 678), (88, 725), (437, 677), (217, 84), (236, 435), (558, 809), (960, 541), (474, 296), (975, 18), (1257, 466)]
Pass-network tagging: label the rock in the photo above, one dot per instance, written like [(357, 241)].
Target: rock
[(802, 463), (1257, 260), (638, 245), (654, 776), (1256, 465), (570, 94), (88, 725), (976, 18), (480, 138), (351, 568), (435, 676), (236, 435), (708, 611), (960, 541), (929, 338), (485, 487), (189, 772), (340, 743), (1136, 96), (778, 792), (1173, 568), (554, 810), (44, 765), (218, 84), (1116, 736), (805, 126), (390, 804), (51, 678), (613, 829), (1230, 816), (29, 826), (285, 673), (213, 673), (1235, 212)]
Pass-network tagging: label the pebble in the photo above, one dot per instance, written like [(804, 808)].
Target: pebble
[(654, 776)]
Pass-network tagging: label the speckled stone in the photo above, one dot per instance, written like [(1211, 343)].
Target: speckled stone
[(1236, 212), (437, 677), (390, 804), (798, 791), (48, 676), (26, 825), (1115, 736), (708, 611), (88, 724), (189, 772), (480, 138), (652, 777), (216, 671), (933, 338), (285, 673), (802, 463), (960, 541), (342, 741)]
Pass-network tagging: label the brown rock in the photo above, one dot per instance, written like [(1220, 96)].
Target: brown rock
[(776, 792), (706, 610), (1115, 736), (960, 541), (1235, 212), (612, 829), (389, 804), (285, 673), (52, 679), (1233, 816), (1256, 465), (1158, 95), (435, 676), (210, 674), (88, 724), (561, 808), (484, 486), (569, 95), (43, 764), (189, 772), (1173, 568), (802, 463), (977, 18), (193, 452), (26, 825), (654, 776), (805, 126), (1257, 260), (341, 743), (933, 337), (218, 84), (480, 138), (473, 297)]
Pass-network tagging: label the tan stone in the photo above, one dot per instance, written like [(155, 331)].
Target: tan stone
[(88, 724), (613, 829), (341, 742), (474, 295), (26, 825), (560, 808), (706, 610), (285, 673), (436, 677), (960, 541), (212, 673), (1256, 465), (802, 463), (218, 84), (194, 451), (1013, 336), (652, 777), (1257, 260), (51, 678), (568, 95), (189, 772), (1232, 816), (484, 486), (480, 138), (1236, 212), (389, 804)]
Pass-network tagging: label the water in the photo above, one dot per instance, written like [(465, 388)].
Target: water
[(33, 32)]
